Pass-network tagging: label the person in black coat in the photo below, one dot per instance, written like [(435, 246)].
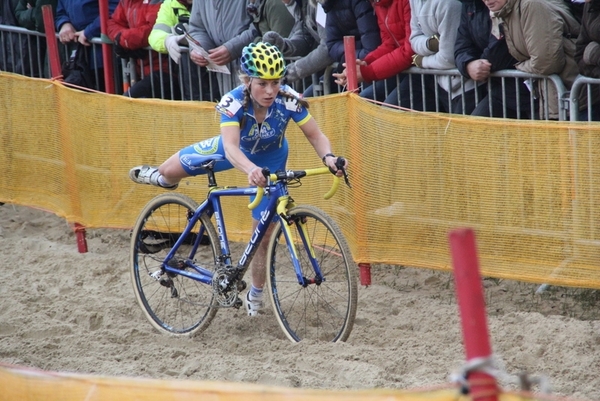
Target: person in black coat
[(587, 54), (478, 52), (348, 18)]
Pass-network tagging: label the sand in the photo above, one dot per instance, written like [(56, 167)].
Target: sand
[(67, 311)]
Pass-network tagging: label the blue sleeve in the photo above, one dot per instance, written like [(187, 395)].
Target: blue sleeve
[(61, 17), (93, 30)]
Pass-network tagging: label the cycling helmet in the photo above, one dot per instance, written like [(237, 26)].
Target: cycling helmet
[(262, 60)]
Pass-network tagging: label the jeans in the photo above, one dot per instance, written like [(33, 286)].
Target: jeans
[(379, 89)]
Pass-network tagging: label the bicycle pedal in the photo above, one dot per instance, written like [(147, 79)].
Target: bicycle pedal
[(238, 303)]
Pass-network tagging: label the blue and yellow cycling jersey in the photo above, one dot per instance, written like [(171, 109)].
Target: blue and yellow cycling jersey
[(264, 144), (268, 135)]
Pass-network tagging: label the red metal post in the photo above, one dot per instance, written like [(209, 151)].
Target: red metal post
[(52, 48), (469, 292), (364, 269), (81, 241), (350, 57), (107, 56), (56, 71)]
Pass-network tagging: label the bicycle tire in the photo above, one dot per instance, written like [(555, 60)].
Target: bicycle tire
[(325, 311), (173, 303)]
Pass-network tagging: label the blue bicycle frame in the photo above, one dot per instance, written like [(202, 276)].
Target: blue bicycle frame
[(278, 202)]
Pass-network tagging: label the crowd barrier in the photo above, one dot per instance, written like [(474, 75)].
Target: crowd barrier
[(527, 187), (187, 81), (20, 383)]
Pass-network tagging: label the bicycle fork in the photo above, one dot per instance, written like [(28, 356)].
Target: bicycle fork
[(300, 224)]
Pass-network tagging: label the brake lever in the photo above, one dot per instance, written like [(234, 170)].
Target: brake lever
[(339, 164)]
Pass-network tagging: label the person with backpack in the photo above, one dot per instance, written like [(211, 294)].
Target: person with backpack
[(77, 22)]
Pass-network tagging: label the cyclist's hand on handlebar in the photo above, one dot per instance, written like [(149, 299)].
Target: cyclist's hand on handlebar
[(336, 165), (257, 177)]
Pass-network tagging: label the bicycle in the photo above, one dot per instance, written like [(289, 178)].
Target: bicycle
[(182, 270)]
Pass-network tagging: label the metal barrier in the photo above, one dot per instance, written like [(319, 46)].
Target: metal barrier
[(506, 77), (187, 81), (27, 55), (592, 87)]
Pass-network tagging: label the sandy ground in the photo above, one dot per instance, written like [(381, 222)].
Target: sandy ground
[(66, 311)]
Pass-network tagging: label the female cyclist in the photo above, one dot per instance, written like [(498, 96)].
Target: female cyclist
[(254, 117)]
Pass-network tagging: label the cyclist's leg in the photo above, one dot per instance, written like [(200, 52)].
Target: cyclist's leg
[(274, 161), (179, 166)]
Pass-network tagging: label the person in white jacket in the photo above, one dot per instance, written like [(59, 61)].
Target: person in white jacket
[(434, 24)]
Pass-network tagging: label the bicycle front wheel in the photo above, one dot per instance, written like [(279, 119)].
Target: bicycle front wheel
[(171, 302), (319, 301)]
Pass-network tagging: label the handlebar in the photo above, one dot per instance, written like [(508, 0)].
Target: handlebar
[(290, 174)]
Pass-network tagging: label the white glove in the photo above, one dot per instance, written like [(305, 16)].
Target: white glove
[(172, 45)]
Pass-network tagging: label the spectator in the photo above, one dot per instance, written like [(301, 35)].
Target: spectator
[(128, 28), (391, 57), (433, 32), (29, 13), (307, 40), (540, 35), (269, 15), (254, 117), (576, 8), (78, 21), (348, 18), (587, 52), (166, 36), (21, 54), (222, 30), (478, 53)]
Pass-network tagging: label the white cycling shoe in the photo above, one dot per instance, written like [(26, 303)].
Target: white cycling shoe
[(148, 175), (252, 306)]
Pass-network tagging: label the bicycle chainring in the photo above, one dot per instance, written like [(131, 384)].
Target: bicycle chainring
[(226, 287)]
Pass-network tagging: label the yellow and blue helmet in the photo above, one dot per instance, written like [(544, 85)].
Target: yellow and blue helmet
[(262, 60)]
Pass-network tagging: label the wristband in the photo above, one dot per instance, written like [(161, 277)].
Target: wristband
[(325, 157)]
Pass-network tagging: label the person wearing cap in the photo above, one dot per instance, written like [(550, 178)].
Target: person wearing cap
[(254, 117)]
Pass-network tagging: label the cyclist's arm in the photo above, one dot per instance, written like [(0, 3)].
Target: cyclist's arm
[(320, 143), (231, 144)]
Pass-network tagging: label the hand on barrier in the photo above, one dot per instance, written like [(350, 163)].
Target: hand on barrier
[(172, 45), (122, 52), (417, 60)]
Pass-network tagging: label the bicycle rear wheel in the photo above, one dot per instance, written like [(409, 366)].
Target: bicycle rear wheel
[(171, 302), (322, 310)]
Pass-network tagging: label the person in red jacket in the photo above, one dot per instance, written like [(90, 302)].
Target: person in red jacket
[(393, 56), (128, 28)]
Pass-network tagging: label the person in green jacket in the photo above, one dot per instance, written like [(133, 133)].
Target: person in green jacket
[(167, 37)]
